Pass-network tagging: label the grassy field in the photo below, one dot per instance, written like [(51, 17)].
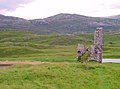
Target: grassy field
[(18, 45), (61, 75), (63, 72)]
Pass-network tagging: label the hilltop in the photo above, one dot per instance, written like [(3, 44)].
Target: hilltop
[(114, 17)]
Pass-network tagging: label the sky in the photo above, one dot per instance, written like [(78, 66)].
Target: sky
[(36, 9)]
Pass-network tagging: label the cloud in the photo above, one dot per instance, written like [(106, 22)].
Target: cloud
[(115, 5), (11, 5), (32, 9)]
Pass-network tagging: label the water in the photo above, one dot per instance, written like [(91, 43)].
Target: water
[(3, 66), (111, 60)]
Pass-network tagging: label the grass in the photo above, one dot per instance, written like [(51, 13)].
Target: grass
[(16, 45), (62, 75), (63, 72), (19, 45)]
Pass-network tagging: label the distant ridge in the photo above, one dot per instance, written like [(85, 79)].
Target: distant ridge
[(60, 23), (114, 17)]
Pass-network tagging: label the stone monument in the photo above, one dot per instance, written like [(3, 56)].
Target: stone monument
[(95, 49)]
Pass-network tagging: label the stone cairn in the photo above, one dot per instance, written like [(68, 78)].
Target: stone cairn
[(95, 49)]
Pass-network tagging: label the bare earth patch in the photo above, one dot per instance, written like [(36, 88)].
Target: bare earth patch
[(38, 62), (21, 62)]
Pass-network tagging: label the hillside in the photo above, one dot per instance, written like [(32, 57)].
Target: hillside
[(61, 23), (19, 45), (61, 71), (114, 17)]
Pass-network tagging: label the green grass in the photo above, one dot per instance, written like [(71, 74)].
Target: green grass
[(62, 75), (16, 45), (19, 45), (112, 45), (63, 72)]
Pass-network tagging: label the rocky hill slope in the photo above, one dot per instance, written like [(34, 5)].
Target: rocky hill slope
[(60, 23)]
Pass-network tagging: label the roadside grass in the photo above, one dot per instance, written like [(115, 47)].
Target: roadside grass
[(61, 75)]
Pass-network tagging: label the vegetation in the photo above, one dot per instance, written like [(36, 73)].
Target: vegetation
[(61, 75), (112, 45), (19, 45), (63, 71), (60, 23)]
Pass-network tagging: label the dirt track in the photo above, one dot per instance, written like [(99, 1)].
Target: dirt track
[(38, 62), (21, 62)]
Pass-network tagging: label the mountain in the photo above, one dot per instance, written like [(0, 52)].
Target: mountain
[(114, 17), (60, 23), (13, 22)]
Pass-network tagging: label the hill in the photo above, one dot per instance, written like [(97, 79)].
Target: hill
[(19, 45), (61, 23), (114, 17)]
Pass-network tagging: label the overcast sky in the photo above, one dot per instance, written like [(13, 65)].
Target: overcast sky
[(33, 9)]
